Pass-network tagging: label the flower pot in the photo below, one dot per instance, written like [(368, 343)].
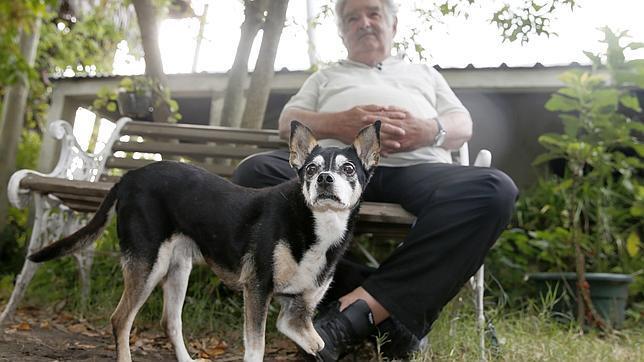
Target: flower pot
[(138, 106), (608, 292)]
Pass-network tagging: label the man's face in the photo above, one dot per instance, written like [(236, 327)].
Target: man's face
[(366, 32)]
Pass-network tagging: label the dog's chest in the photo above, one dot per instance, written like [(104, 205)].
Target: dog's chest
[(291, 276)]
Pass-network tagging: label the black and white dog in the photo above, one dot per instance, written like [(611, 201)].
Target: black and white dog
[(282, 241)]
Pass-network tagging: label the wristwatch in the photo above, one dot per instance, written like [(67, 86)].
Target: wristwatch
[(439, 139)]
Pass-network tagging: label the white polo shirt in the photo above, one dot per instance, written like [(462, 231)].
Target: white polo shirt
[(418, 88)]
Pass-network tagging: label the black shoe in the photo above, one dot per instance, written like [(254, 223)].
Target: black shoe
[(341, 330), (397, 342)]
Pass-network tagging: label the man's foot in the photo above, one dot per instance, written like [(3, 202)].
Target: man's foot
[(341, 330), (397, 342)]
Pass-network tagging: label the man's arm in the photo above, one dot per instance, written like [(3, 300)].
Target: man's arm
[(458, 126)]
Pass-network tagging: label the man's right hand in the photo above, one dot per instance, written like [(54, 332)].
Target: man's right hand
[(349, 122)]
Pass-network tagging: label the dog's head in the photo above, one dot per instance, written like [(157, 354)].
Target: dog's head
[(334, 178)]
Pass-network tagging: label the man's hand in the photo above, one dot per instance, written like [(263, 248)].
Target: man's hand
[(401, 131), (349, 122)]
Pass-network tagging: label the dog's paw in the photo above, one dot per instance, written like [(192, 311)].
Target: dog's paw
[(314, 344)]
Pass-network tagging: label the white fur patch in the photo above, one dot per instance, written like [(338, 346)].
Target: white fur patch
[(293, 277)]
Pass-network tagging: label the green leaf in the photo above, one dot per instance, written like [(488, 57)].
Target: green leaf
[(571, 124), (546, 157), (635, 45), (630, 101), (637, 210), (111, 107), (564, 185), (633, 244), (593, 58), (639, 148), (605, 98), (559, 103)]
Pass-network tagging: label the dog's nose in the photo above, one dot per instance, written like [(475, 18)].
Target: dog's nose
[(325, 179)]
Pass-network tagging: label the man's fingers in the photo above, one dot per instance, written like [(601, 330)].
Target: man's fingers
[(392, 115), (372, 108), (396, 109), (390, 127)]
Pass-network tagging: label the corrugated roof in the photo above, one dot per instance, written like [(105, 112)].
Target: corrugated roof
[(470, 66)]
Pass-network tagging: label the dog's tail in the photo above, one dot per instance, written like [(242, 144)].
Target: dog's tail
[(83, 236)]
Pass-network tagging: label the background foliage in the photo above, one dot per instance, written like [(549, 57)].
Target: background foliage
[(600, 189)]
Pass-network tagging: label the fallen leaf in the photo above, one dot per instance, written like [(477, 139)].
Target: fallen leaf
[(24, 326), (85, 346), (77, 328)]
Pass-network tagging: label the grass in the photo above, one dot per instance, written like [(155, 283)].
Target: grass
[(528, 335)]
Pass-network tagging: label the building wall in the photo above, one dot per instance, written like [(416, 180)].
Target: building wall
[(509, 124)]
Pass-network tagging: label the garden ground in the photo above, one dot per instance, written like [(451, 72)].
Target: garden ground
[(40, 335)]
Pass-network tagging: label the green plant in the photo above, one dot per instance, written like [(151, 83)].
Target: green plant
[(600, 191), (106, 98)]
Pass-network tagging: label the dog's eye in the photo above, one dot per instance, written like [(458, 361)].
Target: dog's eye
[(348, 169), (311, 169)]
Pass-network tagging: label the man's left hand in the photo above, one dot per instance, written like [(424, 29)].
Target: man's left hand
[(401, 131)]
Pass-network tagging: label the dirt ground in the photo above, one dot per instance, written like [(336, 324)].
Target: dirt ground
[(34, 336)]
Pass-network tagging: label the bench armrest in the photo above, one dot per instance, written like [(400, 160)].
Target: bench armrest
[(483, 158), (73, 163)]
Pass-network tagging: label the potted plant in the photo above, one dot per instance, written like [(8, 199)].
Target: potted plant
[(137, 97), (600, 196)]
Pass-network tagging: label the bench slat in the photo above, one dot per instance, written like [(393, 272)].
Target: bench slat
[(188, 149), (385, 213), (262, 138), (86, 196), (57, 185), (130, 164)]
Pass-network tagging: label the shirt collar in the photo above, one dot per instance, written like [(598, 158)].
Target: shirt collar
[(391, 60)]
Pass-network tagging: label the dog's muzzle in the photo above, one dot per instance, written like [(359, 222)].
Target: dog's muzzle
[(325, 181)]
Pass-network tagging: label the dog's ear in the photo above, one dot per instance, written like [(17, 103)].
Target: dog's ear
[(367, 145), (301, 144)]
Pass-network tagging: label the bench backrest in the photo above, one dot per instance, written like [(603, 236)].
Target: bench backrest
[(217, 149)]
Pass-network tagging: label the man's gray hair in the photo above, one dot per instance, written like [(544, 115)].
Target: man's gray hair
[(391, 9)]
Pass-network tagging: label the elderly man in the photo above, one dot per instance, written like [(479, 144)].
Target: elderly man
[(460, 210)]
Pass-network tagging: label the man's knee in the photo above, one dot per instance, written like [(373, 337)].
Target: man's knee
[(502, 190), (262, 170)]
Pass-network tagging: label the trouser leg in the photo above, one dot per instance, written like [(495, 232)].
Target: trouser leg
[(460, 213), (264, 169)]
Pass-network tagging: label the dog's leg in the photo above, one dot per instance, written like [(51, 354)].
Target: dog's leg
[(139, 281), (255, 312), (296, 319), (174, 293)]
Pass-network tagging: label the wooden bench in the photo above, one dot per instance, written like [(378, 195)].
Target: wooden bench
[(64, 198)]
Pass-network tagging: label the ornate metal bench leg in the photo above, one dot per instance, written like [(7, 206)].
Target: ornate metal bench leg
[(480, 312), (85, 258), (29, 268)]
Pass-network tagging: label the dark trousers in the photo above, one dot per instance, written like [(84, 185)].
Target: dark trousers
[(460, 213)]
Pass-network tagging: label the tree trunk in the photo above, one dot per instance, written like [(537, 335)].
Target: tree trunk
[(13, 116), (586, 312), (311, 6), (260, 83), (234, 97), (147, 17)]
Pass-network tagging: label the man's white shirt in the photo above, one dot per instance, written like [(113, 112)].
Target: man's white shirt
[(418, 88)]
